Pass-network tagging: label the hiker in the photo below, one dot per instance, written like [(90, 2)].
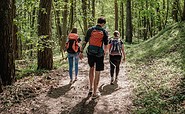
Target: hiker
[(98, 42), (73, 49), (116, 52)]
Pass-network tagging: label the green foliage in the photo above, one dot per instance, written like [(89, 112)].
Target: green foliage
[(157, 68), (28, 67)]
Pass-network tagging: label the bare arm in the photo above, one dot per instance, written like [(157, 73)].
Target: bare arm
[(105, 49), (83, 46), (123, 53)]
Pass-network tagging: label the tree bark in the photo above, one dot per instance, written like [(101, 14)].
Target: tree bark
[(116, 14), (167, 11), (45, 54), (93, 11), (7, 62), (15, 29), (84, 9), (183, 14), (72, 15), (175, 10), (129, 23), (122, 20), (64, 27)]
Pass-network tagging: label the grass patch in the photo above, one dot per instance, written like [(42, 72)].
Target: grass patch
[(25, 68), (157, 68)]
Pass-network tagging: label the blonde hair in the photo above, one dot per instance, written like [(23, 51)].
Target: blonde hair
[(116, 33)]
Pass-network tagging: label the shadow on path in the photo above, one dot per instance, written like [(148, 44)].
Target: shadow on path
[(108, 89), (84, 107), (57, 92)]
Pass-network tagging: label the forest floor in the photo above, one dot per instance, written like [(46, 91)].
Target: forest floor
[(51, 93)]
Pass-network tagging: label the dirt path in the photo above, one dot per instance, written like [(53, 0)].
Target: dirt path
[(63, 98)]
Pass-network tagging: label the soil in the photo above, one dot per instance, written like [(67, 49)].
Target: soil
[(52, 94)]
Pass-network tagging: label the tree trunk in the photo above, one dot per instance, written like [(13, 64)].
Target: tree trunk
[(122, 20), (72, 15), (64, 27), (183, 14), (116, 13), (129, 23), (15, 29), (7, 62), (159, 19), (175, 10), (58, 25), (145, 35), (32, 27), (167, 11), (1, 89), (84, 9), (45, 54), (93, 11)]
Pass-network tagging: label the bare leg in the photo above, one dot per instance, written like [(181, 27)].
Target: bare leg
[(96, 81), (91, 77)]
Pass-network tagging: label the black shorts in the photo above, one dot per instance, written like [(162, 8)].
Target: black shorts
[(98, 61)]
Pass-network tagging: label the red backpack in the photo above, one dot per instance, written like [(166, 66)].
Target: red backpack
[(72, 44), (96, 38), (95, 42)]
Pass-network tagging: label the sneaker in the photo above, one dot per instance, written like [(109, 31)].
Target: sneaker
[(76, 78), (71, 81), (95, 96), (90, 92), (116, 78)]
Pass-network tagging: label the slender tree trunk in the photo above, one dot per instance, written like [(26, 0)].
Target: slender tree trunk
[(129, 23), (122, 20), (7, 62), (64, 27), (183, 14), (75, 11), (159, 19), (167, 12), (45, 54), (93, 11), (145, 28), (1, 89), (15, 30), (72, 15), (32, 27), (102, 8), (58, 24), (175, 11), (116, 14), (84, 9)]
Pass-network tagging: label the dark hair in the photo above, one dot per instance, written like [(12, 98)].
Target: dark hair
[(116, 33), (101, 20), (74, 30)]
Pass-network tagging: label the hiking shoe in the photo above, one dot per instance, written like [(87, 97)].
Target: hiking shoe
[(90, 92), (71, 82), (76, 78), (95, 96), (116, 78)]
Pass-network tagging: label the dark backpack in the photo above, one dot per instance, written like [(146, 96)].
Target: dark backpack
[(95, 42), (72, 44), (115, 47)]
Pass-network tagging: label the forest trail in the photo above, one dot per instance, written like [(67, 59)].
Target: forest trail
[(56, 96)]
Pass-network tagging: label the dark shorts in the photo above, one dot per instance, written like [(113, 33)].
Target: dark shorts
[(98, 61)]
